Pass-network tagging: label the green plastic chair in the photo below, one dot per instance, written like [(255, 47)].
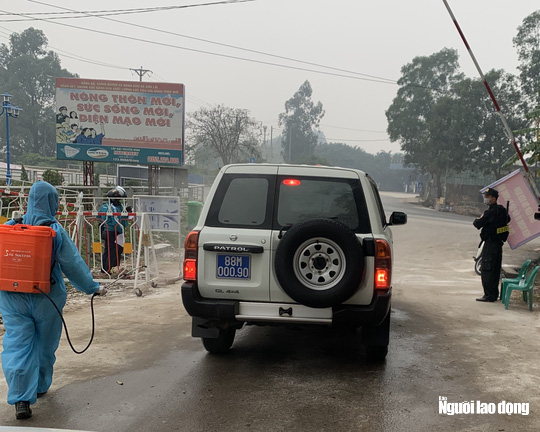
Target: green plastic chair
[(521, 275), (526, 286)]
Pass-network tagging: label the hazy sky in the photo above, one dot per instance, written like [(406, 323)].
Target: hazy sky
[(374, 38)]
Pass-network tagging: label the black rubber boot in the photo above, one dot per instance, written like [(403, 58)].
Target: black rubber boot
[(22, 410)]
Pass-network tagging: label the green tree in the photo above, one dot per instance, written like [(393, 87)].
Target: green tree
[(398, 158), (24, 174), (35, 159), (299, 121), (231, 133), (527, 43), (420, 116), (478, 124), (530, 135), (28, 72), (53, 177), (346, 156), (377, 166)]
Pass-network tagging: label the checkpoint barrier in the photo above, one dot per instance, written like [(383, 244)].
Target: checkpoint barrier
[(137, 250), (12, 202), (81, 218), (137, 245)]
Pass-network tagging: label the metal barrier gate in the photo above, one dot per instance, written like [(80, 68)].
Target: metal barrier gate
[(82, 219)]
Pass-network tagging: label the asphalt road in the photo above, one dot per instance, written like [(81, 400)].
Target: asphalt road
[(146, 373)]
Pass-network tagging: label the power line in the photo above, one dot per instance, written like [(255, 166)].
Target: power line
[(373, 78), (356, 140), (352, 129), (73, 56), (140, 72), (194, 99), (111, 12), (200, 102), (94, 62)]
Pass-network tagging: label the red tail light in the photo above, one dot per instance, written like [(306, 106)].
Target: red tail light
[(383, 265), (190, 256)]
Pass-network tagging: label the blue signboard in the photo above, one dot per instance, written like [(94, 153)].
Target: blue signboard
[(147, 156)]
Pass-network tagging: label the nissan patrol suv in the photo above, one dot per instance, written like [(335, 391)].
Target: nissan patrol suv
[(290, 245)]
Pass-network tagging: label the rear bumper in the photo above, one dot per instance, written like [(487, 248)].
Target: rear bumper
[(229, 310), (369, 315), (211, 309)]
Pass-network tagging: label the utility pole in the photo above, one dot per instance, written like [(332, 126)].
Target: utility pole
[(153, 170), (271, 145), (141, 72), (264, 141), (290, 133)]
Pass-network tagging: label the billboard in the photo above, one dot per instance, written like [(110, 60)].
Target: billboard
[(120, 121), (515, 189)]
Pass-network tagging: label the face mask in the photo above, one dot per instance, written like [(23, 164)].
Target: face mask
[(115, 202), (487, 201)]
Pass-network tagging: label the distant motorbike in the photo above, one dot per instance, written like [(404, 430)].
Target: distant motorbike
[(478, 258)]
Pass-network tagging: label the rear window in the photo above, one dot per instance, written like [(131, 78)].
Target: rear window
[(302, 199), (241, 191), (250, 201), (242, 201)]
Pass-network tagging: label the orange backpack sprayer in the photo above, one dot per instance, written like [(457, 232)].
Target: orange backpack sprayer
[(25, 258)]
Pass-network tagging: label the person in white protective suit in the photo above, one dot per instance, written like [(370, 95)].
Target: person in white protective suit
[(33, 326)]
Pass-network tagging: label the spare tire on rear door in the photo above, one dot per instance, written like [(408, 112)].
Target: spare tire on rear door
[(319, 263)]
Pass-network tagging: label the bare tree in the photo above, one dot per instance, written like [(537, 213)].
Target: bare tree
[(229, 132)]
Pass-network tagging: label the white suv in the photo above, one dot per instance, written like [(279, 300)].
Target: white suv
[(290, 245)]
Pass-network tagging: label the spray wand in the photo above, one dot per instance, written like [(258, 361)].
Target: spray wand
[(120, 276)]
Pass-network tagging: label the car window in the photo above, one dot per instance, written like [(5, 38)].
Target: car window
[(379, 202), (305, 199), (240, 192), (242, 201)]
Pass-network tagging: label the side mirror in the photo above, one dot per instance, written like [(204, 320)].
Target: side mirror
[(398, 218)]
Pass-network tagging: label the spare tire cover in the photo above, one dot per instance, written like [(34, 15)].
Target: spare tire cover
[(319, 263)]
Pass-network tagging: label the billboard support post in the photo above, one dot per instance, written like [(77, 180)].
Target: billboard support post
[(88, 173), (153, 180)]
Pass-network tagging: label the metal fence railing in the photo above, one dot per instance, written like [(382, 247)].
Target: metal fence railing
[(84, 219)]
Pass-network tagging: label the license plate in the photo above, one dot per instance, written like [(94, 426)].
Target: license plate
[(233, 266)]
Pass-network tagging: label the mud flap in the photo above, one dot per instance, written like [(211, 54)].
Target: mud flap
[(203, 328), (377, 335)]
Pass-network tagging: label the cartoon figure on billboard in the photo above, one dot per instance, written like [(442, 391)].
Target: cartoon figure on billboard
[(88, 136), (74, 132), (97, 138), (62, 115), (84, 136), (73, 118), (63, 133)]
